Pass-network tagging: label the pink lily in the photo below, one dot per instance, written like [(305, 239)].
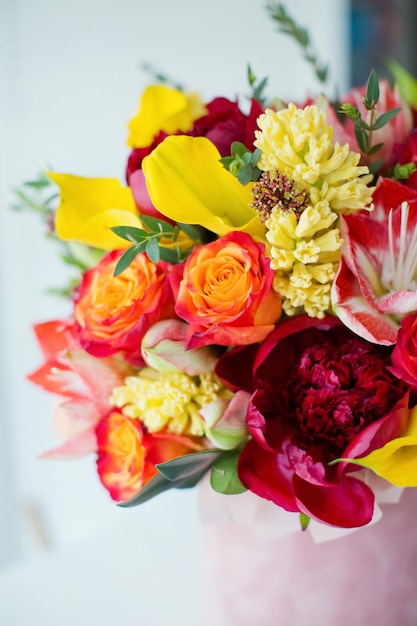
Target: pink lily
[(375, 285)]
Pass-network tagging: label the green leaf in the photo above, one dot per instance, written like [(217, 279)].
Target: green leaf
[(245, 175), (227, 161), (130, 233), (255, 157), (170, 255), (251, 76), (258, 91), (238, 148), (374, 149), (304, 521), (156, 485), (386, 117), (156, 224), (407, 83), (188, 466), (127, 258), (224, 477), (152, 250), (362, 139), (184, 473), (372, 89), (191, 231)]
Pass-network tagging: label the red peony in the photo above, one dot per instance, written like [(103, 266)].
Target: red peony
[(319, 393)]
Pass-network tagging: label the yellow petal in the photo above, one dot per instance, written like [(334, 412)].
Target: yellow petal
[(397, 460), (187, 183), (166, 109), (89, 207)]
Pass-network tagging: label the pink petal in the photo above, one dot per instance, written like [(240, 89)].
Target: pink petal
[(82, 444)]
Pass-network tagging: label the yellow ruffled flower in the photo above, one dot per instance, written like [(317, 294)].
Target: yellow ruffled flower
[(299, 144), (166, 109), (169, 401)]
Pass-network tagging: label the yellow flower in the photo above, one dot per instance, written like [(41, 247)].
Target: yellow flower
[(89, 207), (166, 109), (187, 183), (396, 461), (169, 401), (299, 144), (304, 252)]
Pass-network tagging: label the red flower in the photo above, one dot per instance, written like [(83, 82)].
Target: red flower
[(127, 454), (321, 393), (404, 355)]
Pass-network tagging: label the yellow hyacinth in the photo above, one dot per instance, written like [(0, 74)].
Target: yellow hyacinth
[(299, 144), (169, 401), (304, 252)]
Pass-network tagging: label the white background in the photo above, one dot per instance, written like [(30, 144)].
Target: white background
[(70, 79)]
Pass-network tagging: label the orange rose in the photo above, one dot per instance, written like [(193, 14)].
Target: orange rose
[(225, 292), (127, 455), (113, 313)]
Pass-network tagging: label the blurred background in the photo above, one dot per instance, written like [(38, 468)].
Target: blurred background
[(71, 76)]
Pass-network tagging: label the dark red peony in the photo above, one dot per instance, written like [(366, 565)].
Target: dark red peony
[(319, 393)]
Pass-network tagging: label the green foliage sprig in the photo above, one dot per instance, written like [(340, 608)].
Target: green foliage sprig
[(242, 163), (149, 241), (288, 26), (257, 87), (364, 130)]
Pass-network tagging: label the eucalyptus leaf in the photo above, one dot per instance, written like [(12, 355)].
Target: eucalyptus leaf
[(126, 259), (374, 148), (191, 231), (372, 89), (170, 255), (362, 139), (152, 250), (188, 465), (224, 477), (130, 233), (386, 117), (245, 175), (154, 224)]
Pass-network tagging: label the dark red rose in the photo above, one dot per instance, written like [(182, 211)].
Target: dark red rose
[(321, 393)]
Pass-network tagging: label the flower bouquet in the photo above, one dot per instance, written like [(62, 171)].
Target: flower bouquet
[(247, 304)]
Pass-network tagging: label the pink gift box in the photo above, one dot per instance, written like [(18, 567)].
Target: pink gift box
[(367, 577)]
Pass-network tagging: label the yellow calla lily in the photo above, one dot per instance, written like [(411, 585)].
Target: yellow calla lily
[(89, 207), (187, 183), (163, 108), (396, 462)]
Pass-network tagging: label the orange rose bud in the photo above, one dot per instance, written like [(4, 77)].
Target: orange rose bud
[(127, 454), (225, 292), (114, 312)]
